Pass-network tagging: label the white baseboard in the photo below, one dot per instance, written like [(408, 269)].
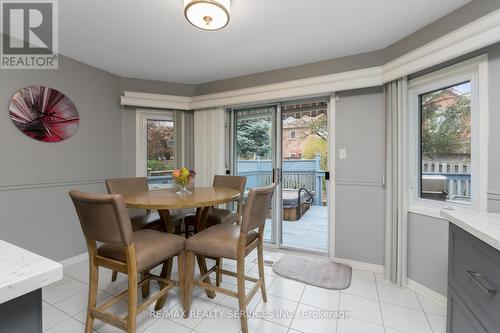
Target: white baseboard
[(74, 260), (429, 293), (361, 265)]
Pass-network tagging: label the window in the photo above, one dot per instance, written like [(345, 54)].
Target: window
[(445, 135), (160, 151), (448, 138), (156, 147), (292, 134)]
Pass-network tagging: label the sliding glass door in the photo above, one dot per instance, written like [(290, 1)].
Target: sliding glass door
[(304, 128), (287, 143), (255, 151)]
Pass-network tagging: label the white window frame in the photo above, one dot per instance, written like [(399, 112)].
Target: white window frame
[(476, 71), (141, 122)]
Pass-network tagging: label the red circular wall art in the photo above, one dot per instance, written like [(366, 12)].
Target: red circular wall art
[(44, 114)]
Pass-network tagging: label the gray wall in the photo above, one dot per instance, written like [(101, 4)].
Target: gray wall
[(35, 210), (128, 145), (428, 251), (359, 194)]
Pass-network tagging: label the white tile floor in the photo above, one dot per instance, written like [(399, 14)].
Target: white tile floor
[(373, 305)]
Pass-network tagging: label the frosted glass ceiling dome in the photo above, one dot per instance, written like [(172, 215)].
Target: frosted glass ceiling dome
[(207, 14)]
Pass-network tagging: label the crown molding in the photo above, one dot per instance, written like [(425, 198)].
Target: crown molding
[(314, 86), (155, 101), (483, 32), (478, 34)]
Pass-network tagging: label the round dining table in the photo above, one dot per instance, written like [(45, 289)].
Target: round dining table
[(201, 198)]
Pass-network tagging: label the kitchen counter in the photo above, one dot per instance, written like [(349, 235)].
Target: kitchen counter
[(22, 276), (485, 226), (22, 271)]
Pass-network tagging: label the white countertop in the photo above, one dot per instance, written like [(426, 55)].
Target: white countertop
[(485, 226), (22, 271)]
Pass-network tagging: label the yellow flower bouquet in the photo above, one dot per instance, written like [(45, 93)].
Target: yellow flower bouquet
[(182, 178)]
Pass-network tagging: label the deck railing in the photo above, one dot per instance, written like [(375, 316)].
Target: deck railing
[(296, 174), (456, 184), (458, 177)]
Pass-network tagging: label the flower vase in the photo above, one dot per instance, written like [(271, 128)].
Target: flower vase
[(183, 190)]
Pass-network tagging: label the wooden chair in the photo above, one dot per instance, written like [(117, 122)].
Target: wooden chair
[(219, 215), (233, 242), (105, 219), (145, 219)]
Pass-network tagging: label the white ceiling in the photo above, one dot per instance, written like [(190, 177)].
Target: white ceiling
[(150, 39)]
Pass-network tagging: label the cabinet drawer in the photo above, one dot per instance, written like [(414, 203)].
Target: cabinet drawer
[(460, 319), (475, 269)]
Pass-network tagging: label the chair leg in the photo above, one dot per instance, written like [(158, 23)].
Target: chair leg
[(218, 274), (164, 271), (181, 268), (114, 276), (188, 289), (93, 284), (145, 286), (202, 265), (170, 263), (260, 262), (132, 303), (240, 272)]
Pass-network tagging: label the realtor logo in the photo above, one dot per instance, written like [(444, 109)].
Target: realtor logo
[(29, 37)]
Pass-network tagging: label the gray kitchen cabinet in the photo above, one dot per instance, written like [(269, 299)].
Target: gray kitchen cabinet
[(473, 284)]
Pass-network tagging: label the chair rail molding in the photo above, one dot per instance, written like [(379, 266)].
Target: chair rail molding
[(480, 33), (50, 184)]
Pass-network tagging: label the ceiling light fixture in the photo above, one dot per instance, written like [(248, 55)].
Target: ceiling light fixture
[(207, 14)]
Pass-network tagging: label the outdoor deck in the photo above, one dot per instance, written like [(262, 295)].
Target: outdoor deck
[(310, 232)]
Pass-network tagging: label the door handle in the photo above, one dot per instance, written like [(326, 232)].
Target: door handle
[(481, 282)]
